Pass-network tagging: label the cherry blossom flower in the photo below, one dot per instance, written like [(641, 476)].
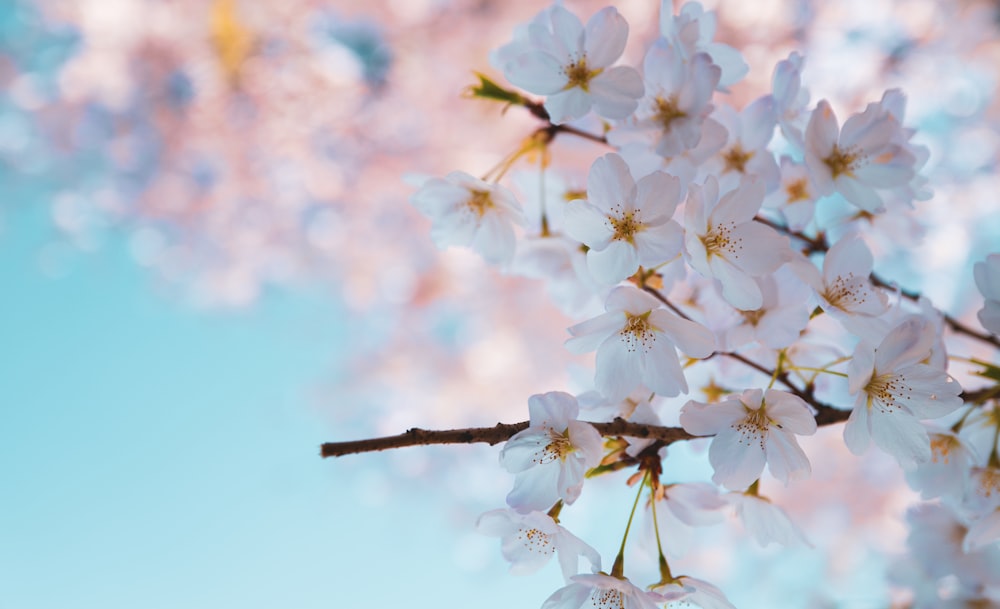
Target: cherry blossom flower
[(692, 31), (689, 590), (894, 390), (987, 275), (528, 542), (625, 224), (470, 212), (679, 508), (856, 161), (635, 340), (946, 474), (778, 322), (677, 101), (790, 98), (550, 457), (571, 65), (600, 591), (766, 522), (723, 242), (745, 153), (796, 196), (750, 430), (845, 289)]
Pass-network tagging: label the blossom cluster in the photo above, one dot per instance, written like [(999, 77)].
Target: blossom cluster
[(698, 244)]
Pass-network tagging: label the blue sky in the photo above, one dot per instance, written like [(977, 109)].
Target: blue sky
[(156, 456)]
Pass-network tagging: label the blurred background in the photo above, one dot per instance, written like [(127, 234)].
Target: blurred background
[(209, 267)]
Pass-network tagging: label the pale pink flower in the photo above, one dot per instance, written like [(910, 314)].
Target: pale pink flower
[(467, 211), (750, 430), (571, 65), (946, 474), (722, 240), (692, 31), (677, 101), (865, 156), (680, 508), (528, 542), (745, 154), (687, 591), (795, 197), (623, 223), (551, 456), (845, 289), (895, 389), (635, 341), (600, 591), (766, 522), (790, 98), (779, 321), (987, 275)]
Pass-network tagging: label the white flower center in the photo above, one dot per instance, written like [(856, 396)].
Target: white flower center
[(736, 159), (607, 599), (558, 447), (625, 224), (719, 241), (667, 111), (887, 391), (536, 541), (480, 202), (846, 293), (843, 162), (578, 74), (638, 333), (753, 429)]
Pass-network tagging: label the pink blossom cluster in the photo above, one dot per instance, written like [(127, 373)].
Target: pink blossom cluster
[(699, 245)]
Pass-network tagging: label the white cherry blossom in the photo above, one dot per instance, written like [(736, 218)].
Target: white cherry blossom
[(987, 275), (745, 154), (795, 197), (467, 211), (722, 240), (766, 522), (895, 389), (551, 456), (867, 155), (790, 98), (845, 290), (623, 223), (692, 31), (946, 474), (635, 342), (688, 591), (680, 508), (750, 430), (571, 65), (528, 542), (600, 591), (678, 99)]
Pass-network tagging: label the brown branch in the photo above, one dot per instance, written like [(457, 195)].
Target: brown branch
[(813, 244), (953, 323), (501, 432)]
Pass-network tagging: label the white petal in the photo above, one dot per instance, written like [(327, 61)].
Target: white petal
[(616, 262), (606, 34), (617, 369)]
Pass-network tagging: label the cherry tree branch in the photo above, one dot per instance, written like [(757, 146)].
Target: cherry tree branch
[(501, 432), (820, 244)]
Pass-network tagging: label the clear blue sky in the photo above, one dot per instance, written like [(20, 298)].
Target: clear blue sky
[(154, 456)]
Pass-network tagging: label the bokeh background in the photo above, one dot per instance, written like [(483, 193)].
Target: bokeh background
[(209, 267)]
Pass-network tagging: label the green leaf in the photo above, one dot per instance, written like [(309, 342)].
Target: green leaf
[(487, 89), (991, 371)]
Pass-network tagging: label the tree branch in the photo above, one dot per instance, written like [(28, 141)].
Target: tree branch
[(501, 432)]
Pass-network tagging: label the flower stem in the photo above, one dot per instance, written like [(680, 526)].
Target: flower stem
[(666, 577), (618, 569)]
